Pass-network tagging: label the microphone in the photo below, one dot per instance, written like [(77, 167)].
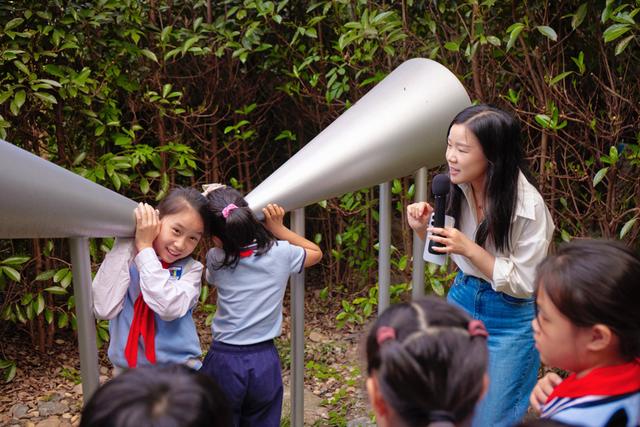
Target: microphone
[(440, 189)]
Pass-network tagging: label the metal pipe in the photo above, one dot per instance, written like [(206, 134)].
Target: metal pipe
[(297, 331), (384, 247), (81, 266), (41, 199), (417, 276)]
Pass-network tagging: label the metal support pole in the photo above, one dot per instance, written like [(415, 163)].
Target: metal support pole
[(418, 244), (81, 266), (384, 247), (297, 332)]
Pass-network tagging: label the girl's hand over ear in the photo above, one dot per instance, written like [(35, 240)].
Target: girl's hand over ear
[(543, 389), (147, 226), (273, 217)]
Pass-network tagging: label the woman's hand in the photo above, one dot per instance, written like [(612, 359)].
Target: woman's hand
[(543, 389), (418, 216), (454, 241), (273, 217), (147, 226)]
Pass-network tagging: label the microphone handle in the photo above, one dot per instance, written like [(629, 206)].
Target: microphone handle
[(437, 221)]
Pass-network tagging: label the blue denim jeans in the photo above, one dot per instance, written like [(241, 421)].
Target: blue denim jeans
[(513, 359)]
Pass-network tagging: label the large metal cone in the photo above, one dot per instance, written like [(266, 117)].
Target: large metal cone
[(395, 129), (41, 199)]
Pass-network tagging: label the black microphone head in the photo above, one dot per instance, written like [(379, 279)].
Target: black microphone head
[(440, 185)]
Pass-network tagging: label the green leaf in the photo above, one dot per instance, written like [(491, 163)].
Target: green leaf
[(144, 185), (579, 16), (548, 32), (515, 29), (11, 273), (452, 46), (627, 227), (152, 56), (599, 176), (60, 274), (48, 315), (19, 98), (615, 31), (66, 280), (543, 120), (56, 290), (39, 304), (13, 24), (45, 275), (46, 97), (559, 77), (15, 260), (622, 45), (10, 373), (63, 320)]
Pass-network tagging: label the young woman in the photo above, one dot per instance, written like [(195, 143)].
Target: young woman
[(502, 231)]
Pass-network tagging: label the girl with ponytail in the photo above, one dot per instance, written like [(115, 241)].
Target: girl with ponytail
[(250, 266), (426, 365)]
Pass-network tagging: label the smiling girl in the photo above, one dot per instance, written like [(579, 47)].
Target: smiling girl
[(148, 287)]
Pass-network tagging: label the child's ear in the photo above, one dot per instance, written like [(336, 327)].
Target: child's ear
[(216, 242), (601, 337), (375, 397)]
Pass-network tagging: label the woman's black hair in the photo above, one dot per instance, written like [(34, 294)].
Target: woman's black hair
[(239, 229), (596, 282), (180, 198), (158, 396), (499, 135), (433, 367)]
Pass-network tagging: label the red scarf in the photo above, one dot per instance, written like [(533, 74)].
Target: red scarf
[(606, 381), (143, 324)]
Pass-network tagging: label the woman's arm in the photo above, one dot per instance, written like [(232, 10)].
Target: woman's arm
[(112, 280), (274, 215)]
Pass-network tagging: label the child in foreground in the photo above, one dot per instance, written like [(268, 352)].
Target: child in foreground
[(250, 266), (147, 287), (426, 365), (588, 323)]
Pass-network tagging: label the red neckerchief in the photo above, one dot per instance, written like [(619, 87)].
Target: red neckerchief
[(606, 381), (144, 324), (246, 253)]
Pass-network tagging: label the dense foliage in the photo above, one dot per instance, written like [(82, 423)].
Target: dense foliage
[(140, 95)]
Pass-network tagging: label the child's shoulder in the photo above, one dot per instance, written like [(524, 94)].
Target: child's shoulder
[(215, 256)]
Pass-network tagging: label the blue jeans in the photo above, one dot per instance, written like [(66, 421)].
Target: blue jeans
[(513, 359)]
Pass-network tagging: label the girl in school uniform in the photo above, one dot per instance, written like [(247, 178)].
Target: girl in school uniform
[(147, 287), (250, 267)]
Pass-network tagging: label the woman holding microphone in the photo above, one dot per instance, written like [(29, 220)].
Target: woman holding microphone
[(502, 231)]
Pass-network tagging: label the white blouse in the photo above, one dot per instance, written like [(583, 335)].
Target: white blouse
[(531, 232)]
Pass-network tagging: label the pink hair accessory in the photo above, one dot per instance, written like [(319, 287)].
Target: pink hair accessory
[(227, 210), (476, 328), (385, 333)]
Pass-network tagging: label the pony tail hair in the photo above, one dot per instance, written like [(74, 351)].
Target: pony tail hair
[(234, 223), (428, 361)]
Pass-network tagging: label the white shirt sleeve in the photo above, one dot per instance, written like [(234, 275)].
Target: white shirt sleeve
[(112, 280), (169, 298), (514, 273)]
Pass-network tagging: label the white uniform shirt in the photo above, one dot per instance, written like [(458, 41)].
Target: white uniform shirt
[(531, 232)]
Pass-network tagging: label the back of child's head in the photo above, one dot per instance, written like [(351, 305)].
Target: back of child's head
[(181, 198), (429, 359), (158, 396), (596, 282), (233, 222)]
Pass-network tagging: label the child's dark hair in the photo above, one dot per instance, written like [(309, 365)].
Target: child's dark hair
[(234, 223), (180, 198), (158, 396), (596, 282), (429, 358), (499, 135)]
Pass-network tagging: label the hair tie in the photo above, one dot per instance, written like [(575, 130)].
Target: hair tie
[(476, 328), (208, 188), (385, 333), (228, 209)]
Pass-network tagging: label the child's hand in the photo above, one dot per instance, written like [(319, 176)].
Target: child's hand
[(273, 216), (543, 389), (418, 215), (147, 226)]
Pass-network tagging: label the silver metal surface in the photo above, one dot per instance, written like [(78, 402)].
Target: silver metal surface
[(81, 267), (398, 127), (297, 332), (384, 247), (41, 199), (417, 275)]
